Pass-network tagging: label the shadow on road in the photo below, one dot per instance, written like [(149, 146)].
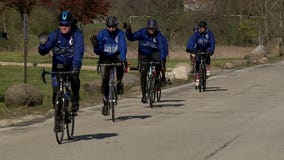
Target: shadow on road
[(167, 105), (160, 104), (124, 118), (172, 100), (215, 89), (93, 136)]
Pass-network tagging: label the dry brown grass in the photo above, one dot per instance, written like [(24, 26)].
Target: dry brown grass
[(232, 51), (220, 52)]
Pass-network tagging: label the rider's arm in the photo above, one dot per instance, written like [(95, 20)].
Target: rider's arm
[(136, 35), (163, 47), (191, 47), (122, 46), (45, 48), (212, 43), (99, 50), (79, 47)]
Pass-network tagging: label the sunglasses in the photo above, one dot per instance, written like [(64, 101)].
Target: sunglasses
[(111, 27), (64, 25), (153, 29)]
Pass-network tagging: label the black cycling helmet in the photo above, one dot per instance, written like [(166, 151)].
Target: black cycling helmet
[(66, 18), (112, 21), (152, 24), (202, 24)]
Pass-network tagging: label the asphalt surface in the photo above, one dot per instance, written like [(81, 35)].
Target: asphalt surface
[(239, 117)]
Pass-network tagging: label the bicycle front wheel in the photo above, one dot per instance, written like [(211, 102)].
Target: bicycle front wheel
[(112, 101), (58, 119), (151, 90), (204, 78), (201, 77)]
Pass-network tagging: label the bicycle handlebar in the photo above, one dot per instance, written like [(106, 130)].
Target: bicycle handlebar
[(99, 65), (43, 72), (200, 53), (152, 62), (110, 64)]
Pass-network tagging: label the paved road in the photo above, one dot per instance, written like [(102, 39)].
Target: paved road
[(240, 117)]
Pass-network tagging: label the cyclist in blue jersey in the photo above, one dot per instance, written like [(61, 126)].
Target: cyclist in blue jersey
[(153, 46), (110, 45), (67, 45), (202, 40)]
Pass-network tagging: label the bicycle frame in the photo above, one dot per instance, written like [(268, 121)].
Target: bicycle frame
[(112, 94), (64, 83), (151, 86), (62, 107), (112, 97), (202, 70)]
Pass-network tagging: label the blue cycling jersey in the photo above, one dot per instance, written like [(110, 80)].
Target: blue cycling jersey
[(150, 44), (68, 49), (111, 44), (201, 42)]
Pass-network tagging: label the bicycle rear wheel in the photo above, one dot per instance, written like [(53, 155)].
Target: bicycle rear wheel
[(194, 75), (58, 119), (158, 89), (159, 94)]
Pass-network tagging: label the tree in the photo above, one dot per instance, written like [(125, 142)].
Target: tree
[(24, 7), (167, 11), (265, 16), (85, 10), (269, 12)]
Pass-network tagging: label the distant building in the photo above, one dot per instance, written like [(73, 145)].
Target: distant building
[(196, 5), (190, 5)]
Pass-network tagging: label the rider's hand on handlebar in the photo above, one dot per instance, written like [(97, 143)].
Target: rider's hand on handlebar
[(209, 53), (188, 50), (75, 71), (125, 66)]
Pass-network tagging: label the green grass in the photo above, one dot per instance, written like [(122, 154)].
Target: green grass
[(11, 75)]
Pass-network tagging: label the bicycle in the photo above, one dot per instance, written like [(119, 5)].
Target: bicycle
[(153, 83), (62, 108), (202, 71), (112, 94)]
